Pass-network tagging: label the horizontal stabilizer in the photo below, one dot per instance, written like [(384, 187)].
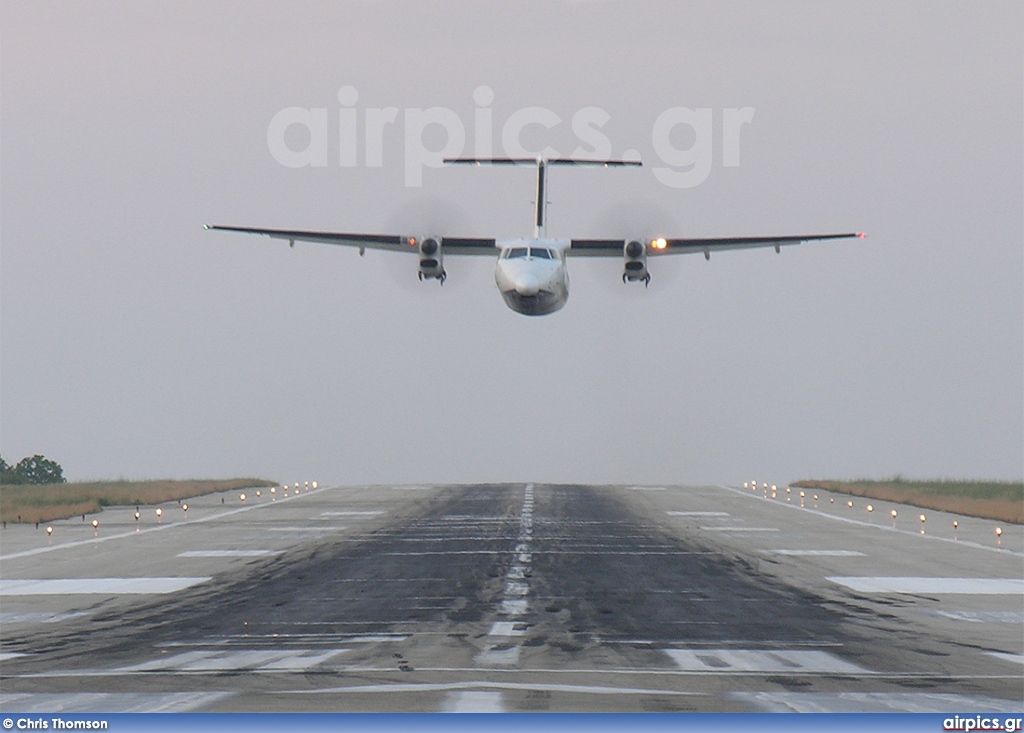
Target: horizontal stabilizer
[(539, 160)]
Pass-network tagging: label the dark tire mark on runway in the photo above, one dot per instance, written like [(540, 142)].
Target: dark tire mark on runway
[(339, 587), (603, 572)]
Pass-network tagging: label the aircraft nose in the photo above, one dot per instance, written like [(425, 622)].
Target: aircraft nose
[(527, 284)]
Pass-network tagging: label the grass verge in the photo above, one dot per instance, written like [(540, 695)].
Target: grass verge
[(49, 502), (1002, 501)]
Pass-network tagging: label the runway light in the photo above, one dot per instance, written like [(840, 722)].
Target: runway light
[(159, 512), (258, 495), (49, 530), (765, 486), (921, 518), (242, 497), (815, 497), (746, 485), (955, 524), (95, 523), (802, 495), (314, 484), (831, 501), (849, 504), (999, 531), (184, 507), (893, 513), (273, 490), (137, 515), (870, 508)]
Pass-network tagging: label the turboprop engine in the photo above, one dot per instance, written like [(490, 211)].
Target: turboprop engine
[(432, 259)]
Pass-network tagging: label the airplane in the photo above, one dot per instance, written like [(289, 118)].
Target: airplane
[(531, 272)]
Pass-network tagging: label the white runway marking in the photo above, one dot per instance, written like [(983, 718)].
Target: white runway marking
[(874, 702), (104, 586), (136, 532), (353, 513), (645, 488), (937, 586), (740, 529), (698, 514), (249, 660), (229, 553), (818, 553), (39, 617), (984, 617), (794, 661), (108, 702), (886, 528), (304, 529), (492, 657), (507, 628), (513, 608), (473, 701), (485, 685), (4, 656), (1018, 658)]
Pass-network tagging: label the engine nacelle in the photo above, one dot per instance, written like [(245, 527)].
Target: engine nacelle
[(431, 251), (634, 261)]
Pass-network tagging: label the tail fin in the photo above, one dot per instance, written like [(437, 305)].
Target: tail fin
[(540, 206)]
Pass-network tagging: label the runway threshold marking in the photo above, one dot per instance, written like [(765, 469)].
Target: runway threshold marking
[(793, 661), (937, 586)]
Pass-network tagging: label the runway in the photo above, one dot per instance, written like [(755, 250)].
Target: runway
[(514, 597)]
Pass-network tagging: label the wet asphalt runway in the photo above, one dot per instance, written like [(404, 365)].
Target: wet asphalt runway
[(514, 598)]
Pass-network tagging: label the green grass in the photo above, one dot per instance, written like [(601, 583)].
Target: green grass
[(48, 502), (998, 500)]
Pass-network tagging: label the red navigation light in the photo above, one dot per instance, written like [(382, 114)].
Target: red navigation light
[(861, 235)]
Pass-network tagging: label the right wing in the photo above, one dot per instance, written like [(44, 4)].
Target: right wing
[(387, 242), (662, 246)]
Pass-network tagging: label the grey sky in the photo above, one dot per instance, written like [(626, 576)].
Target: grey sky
[(136, 344)]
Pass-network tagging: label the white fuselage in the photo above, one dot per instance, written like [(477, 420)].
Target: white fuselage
[(531, 274)]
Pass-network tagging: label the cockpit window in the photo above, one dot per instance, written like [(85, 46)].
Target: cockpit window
[(517, 252), (544, 254)]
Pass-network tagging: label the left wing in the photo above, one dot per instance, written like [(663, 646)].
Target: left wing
[(389, 242), (660, 246)]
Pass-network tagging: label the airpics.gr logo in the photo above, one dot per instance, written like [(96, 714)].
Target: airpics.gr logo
[(680, 167)]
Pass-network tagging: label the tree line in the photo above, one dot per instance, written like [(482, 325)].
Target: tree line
[(32, 470)]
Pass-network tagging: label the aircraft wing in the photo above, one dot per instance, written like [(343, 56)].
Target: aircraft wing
[(389, 242), (662, 246)]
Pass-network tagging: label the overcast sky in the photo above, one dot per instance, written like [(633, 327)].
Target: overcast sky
[(135, 344)]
